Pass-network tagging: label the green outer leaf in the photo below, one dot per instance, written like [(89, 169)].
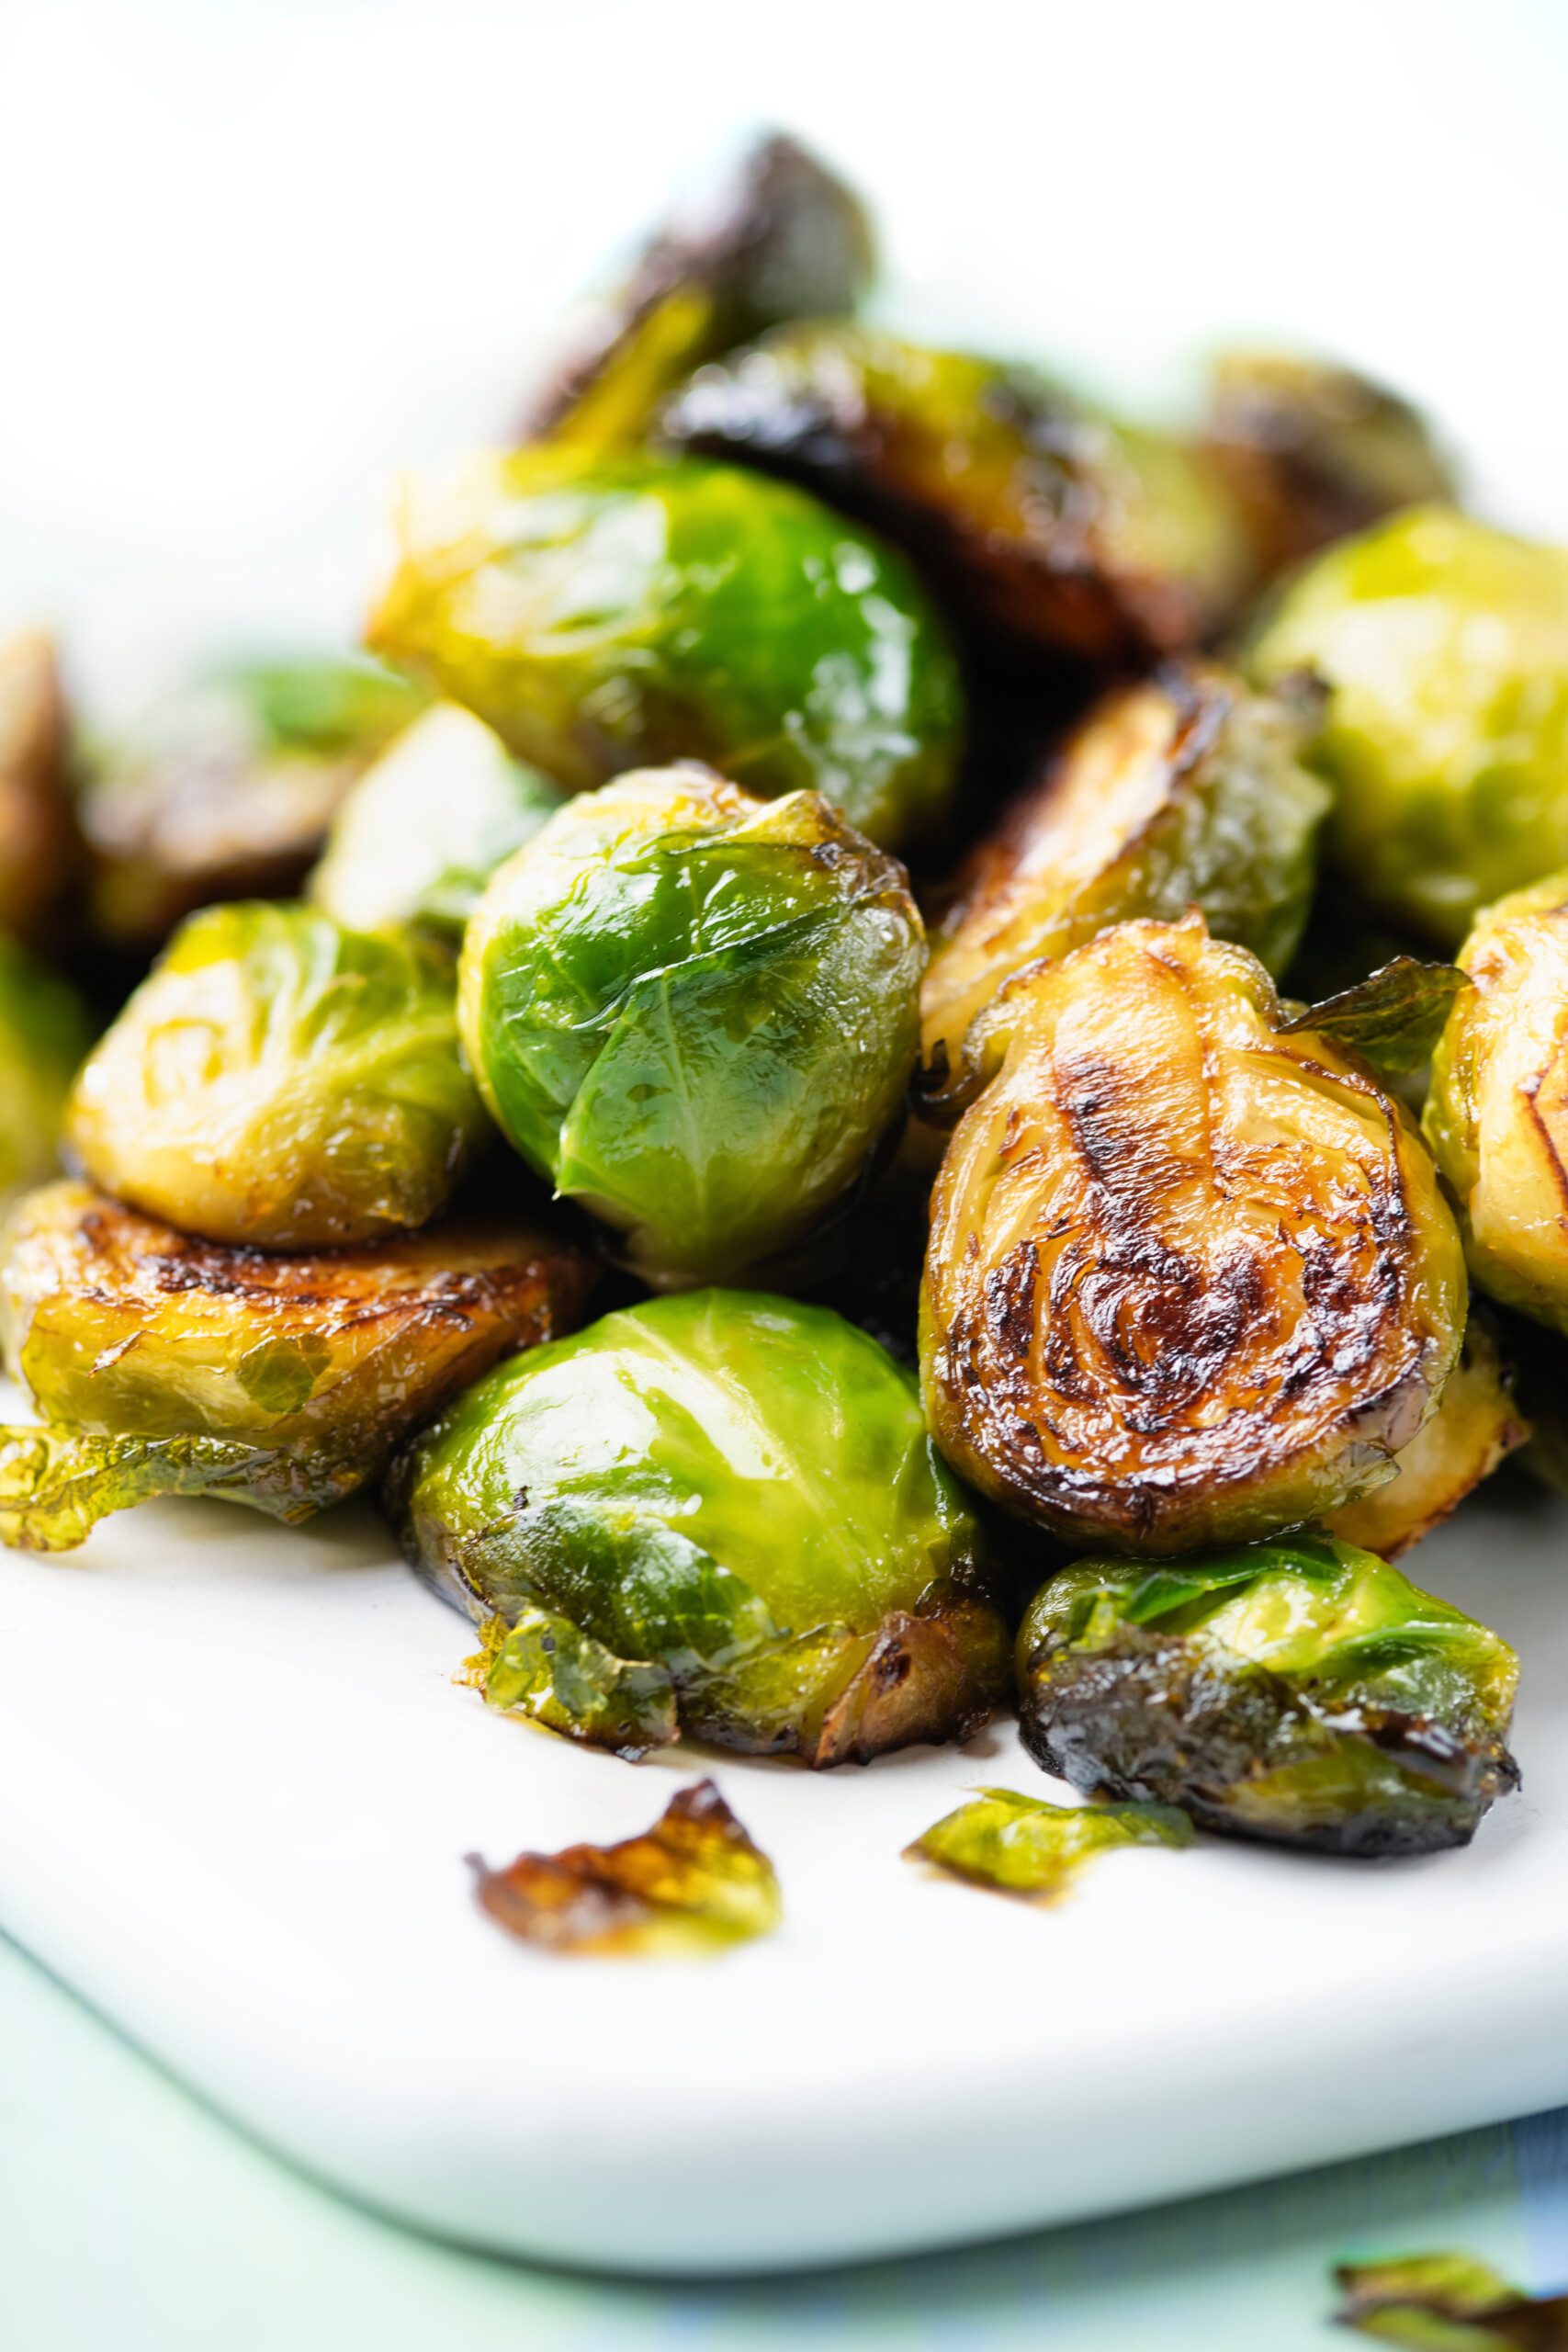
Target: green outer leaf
[(1025, 1846), (548, 1669), (54, 1487), (1394, 1019)]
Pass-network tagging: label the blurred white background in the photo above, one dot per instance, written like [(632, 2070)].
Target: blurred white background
[(258, 254)]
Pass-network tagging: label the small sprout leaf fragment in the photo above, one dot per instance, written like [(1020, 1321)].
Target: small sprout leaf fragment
[(1447, 2303), (1394, 1019), (1025, 1846)]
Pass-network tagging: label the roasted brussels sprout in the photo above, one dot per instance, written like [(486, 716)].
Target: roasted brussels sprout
[(1497, 1116), (1182, 791), (40, 846), (1191, 1279), (1300, 1691), (282, 1082), (162, 1365), (226, 789), (1444, 646), (779, 237), (1314, 452), (720, 1514), (1038, 514), (423, 829), (43, 1036), (695, 1013), (1021, 1846), (1447, 2303), (612, 614)]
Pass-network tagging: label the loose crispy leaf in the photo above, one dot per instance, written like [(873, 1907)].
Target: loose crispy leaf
[(1394, 1018), (55, 1487), (1447, 2302), (546, 1668), (691, 1884), (1025, 1846)]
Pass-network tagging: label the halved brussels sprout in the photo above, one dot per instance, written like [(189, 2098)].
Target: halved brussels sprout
[(1039, 513), (610, 615), (226, 789), (1180, 791), (778, 237), (695, 1013), (40, 847), (420, 833), (280, 1082), (1191, 1279), (1477, 1423), (162, 1364), (1022, 1846), (717, 1514), (1444, 646), (1301, 1691), (44, 1033), (1496, 1115), (1314, 452)]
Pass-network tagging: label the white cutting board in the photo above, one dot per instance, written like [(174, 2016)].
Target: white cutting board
[(236, 1784)]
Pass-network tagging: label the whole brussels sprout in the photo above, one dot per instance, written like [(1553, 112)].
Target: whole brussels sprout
[(606, 614), (420, 834), (43, 1034), (1191, 1278), (1180, 791), (718, 1514), (1037, 513), (778, 237), (40, 849), (164, 1364), (280, 1082), (1444, 646), (1301, 1691), (695, 1013), (1496, 1115)]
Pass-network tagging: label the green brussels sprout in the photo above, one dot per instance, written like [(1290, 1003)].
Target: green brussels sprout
[(610, 615), (1191, 1278), (1447, 2303), (1182, 790), (282, 1082), (44, 1033), (695, 1013), (1497, 1116), (1037, 513), (40, 849), (1301, 1691), (1021, 1845), (226, 789), (1444, 647), (719, 1514), (167, 1365), (779, 237), (419, 835)]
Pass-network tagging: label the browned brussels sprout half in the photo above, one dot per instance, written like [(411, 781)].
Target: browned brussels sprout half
[(1301, 1691), (167, 1365), (282, 1082), (40, 847), (1191, 1279), (1182, 791), (1037, 513), (777, 237), (718, 1513)]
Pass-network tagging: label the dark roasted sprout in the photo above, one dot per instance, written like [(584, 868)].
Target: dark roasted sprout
[(718, 1514), (282, 1082), (44, 1033), (1035, 511), (1447, 2303), (778, 237), (1301, 1691), (1022, 1846), (610, 614), (420, 833), (226, 789), (1191, 1278), (1444, 647), (696, 1013), (693, 1884), (40, 849), (164, 1365), (1183, 790)]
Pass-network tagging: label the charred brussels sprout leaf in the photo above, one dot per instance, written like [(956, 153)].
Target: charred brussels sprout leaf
[(282, 1082), (1301, 1691), (43, 1036), (695, 1013), (1022, 1846), (1392, 1018), (1444, 647), (734, 1498), (1182, 791), (693, 1884), (777, 238), (1447, 2303), (40, 847), (424, 828), (610, 615), (166, 1365), (1190, 1279), (1036, 512)]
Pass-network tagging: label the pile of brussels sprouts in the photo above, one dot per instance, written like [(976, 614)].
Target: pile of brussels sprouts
[(936, 903)]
